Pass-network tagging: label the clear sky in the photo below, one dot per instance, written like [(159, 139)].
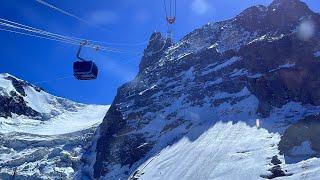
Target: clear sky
[(114, 21)]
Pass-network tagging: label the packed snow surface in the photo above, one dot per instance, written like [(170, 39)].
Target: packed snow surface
[(225, 151), (209, 156), (70, 121)]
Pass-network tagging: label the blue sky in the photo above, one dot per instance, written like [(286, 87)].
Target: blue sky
[(114, 21)]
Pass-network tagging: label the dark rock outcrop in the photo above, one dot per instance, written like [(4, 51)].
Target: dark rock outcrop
[(276, 171), (306, 130), (15, 104)]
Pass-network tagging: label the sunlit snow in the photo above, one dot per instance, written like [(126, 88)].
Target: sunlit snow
[(49, 145)]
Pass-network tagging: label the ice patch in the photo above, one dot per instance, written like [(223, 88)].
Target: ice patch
[(284, 66), (255, 76), (268, 38), (215, 82), (152, 87), (288, 65), (261, 38), (221, 66), (239, 72), (213, 46)]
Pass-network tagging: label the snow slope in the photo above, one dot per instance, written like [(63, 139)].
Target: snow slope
[(70, 121), (56, 115), (42, 136), (209, 157)]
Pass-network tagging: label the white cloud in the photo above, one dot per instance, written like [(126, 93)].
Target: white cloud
[(200, 7), (103, 17)]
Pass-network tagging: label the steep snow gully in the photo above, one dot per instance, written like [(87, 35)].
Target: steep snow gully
[(42, 136)]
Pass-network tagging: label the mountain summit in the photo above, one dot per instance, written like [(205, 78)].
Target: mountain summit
[(194, 107)]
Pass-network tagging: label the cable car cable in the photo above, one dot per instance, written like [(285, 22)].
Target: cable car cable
[(42, 31), (87, 22), (32, 31), (54, 35), (42, 37), (59, 40), (65, 38), (35, 30), (63, 11)]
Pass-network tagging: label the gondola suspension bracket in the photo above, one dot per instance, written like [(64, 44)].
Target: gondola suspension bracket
[(82, 68)]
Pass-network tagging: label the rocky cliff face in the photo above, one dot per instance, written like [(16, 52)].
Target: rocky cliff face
[(11, 101), (261, 67)]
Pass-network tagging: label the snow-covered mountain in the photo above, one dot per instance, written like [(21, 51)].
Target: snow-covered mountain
[(42, 136), (237, 99)]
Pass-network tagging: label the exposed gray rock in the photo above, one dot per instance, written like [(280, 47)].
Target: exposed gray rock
[(257, 54)]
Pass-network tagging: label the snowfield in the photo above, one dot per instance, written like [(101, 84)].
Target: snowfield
[(58, 115), (209, 156), (224, 151), (49, 145), (70, 121)]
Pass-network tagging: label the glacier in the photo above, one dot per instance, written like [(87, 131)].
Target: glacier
[(48, 143)]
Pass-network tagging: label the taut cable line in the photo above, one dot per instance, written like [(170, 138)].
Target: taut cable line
[(89, 23), (34, 32)]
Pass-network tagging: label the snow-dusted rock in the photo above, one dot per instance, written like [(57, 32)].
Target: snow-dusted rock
[(208, 91)]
